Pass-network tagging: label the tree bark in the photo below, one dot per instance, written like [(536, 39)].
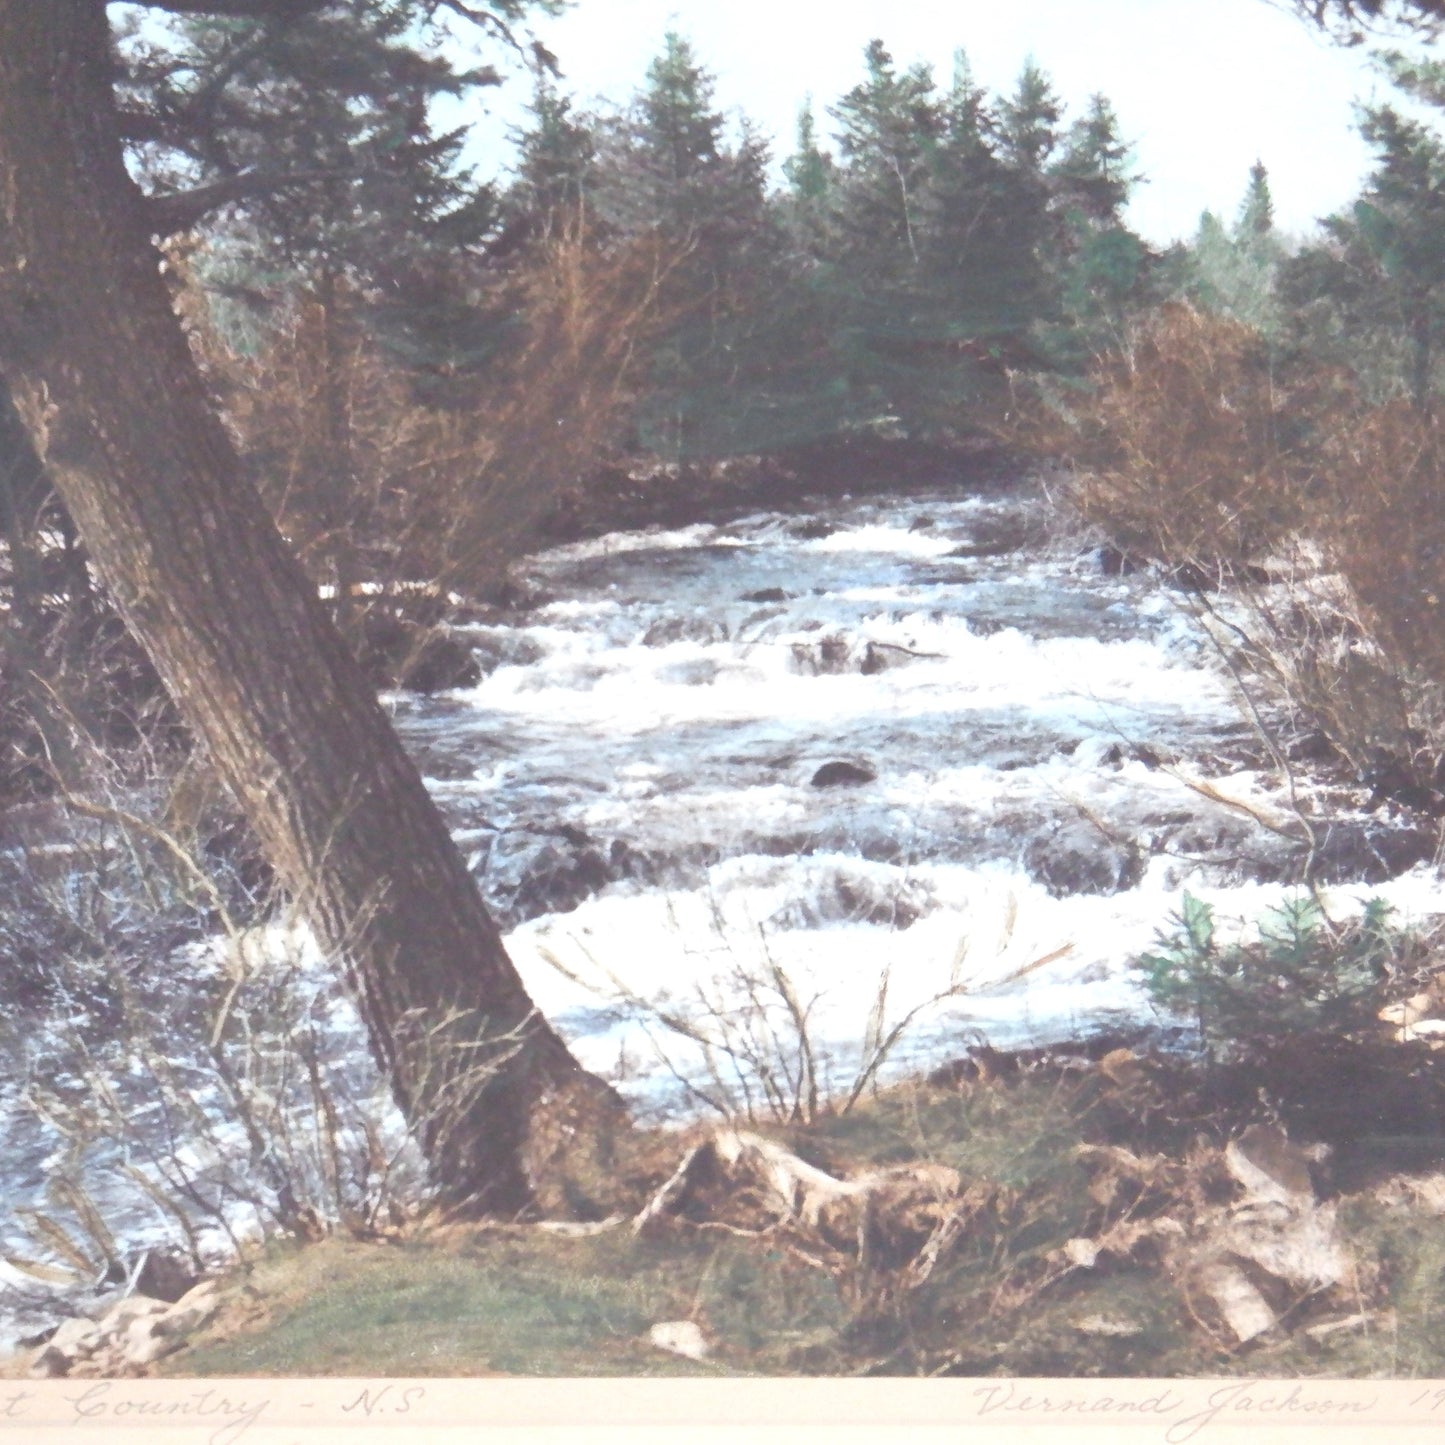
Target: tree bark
[(102, 372)]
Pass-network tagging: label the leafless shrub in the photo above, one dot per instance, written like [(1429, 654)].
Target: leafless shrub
[(1386, 531), (743, 1041), (192, 1060), (1196, 449), (1191, 445), (372, 481)]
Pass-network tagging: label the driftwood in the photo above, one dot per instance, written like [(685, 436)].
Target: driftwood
[(1250, 1263), (898, 1217)]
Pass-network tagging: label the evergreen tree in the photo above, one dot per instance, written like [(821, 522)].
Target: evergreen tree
[(1256, 211), (1212, 259), (889, 125), (556, 157), (1236, 270), (665, 163), (666, 168), (809, 170), (1374, 293), (806, 207), (315, 125), (1028, 121), (1091, 177), (1102, 266), (342, 199), (982, 226)]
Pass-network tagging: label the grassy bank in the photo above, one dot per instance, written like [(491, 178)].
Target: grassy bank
[(1043, 1153)]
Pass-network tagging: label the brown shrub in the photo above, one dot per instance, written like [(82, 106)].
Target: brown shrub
[(479, 479), (371, 481), (1191, 446), (1195, 447), (1385, 524)]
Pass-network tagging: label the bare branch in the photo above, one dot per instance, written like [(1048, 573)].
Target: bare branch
[(181, 210)]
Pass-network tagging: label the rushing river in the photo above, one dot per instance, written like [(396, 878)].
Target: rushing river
[(887, 758), (866, 782)]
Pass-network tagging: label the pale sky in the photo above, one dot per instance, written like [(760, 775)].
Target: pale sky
[(1202, 87)]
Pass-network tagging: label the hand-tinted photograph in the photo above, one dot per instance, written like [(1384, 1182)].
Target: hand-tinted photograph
[(721, 690)]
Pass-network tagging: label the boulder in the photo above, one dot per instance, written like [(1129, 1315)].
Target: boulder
[(75, 1340), (130, 1337), (1370, 851), (667, 630), (1077, 858), (166, 1274), (1268, 1167), (439, 663), (842, 774), (397, 651), (193, 1311), (827, 657)]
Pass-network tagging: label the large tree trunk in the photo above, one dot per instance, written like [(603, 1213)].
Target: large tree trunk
[(102, 372)]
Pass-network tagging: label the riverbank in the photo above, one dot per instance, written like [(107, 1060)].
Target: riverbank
[(1125, 1214)]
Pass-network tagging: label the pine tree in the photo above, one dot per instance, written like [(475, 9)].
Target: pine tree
[(666, 168), (1256, 211), (1374, 293), (1028, 121), (343, 200), (556, 156), (665, 164), (1100, 266), (981, 225), (1092, 178), (1236, 270), (314, 125), (809, 170), (889, 124)]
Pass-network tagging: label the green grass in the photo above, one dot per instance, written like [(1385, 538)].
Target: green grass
[(518, 1305), (517, 1301)]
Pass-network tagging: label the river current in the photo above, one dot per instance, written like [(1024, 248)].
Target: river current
[(861, 783)]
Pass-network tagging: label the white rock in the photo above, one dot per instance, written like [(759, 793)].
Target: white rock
[(1302, 1248), (680, 1337), (579, 1229), (1268, 1166), (77, 1337), (140, 1343), (196, 1308), (1109, 1327), (75, 1340), (136, 1307), (1428, 1191), (1245, 1310), (1407, 1011)]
